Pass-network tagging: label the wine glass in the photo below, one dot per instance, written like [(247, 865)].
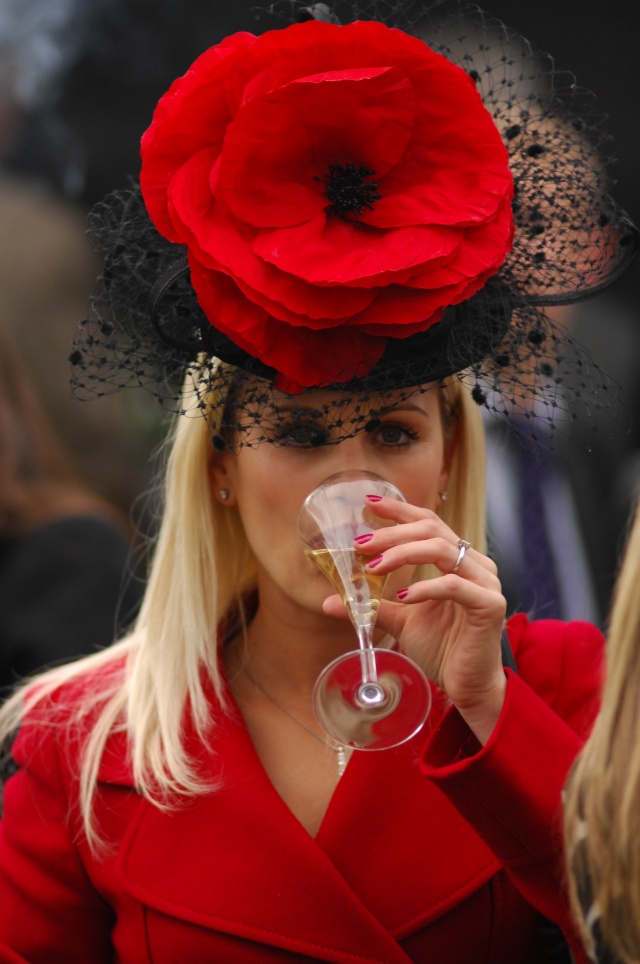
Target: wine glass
[(370, 698)]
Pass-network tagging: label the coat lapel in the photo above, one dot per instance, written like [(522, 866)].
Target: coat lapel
[(391, 855), (205, 863), (399, 843)]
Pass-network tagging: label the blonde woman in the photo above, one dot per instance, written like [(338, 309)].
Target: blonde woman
[(603, 794), (224, 751), (341, 250)]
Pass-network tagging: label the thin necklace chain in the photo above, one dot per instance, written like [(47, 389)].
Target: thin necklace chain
[(343, 753)]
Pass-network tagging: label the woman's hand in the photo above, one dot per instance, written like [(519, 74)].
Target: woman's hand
[(450, 625)]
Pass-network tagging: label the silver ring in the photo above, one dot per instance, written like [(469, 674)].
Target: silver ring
[(463, 545)]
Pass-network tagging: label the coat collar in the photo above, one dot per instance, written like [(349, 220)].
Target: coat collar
[(392, 854)]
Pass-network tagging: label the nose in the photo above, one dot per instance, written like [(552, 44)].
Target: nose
[(353, 453)]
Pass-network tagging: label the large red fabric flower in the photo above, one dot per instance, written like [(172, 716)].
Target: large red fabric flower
[(335, 186)]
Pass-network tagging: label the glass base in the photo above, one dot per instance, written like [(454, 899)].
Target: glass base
[(372, 715)]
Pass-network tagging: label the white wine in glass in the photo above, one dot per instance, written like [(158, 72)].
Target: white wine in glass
[(369, 699)]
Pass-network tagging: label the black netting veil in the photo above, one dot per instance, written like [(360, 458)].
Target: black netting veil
[(571, 241)]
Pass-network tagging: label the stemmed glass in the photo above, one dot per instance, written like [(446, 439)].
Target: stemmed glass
[(370, 698)]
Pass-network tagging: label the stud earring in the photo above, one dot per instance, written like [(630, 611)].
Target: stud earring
[(443, 496), (224, 494)]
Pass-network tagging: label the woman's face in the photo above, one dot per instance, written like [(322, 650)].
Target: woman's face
[(269, 483)]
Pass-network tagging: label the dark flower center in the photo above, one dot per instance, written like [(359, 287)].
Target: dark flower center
[(348, 190)]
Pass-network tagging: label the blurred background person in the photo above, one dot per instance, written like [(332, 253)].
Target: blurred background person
[(66, 587), (47, 267), (557, 518), (602, 807)]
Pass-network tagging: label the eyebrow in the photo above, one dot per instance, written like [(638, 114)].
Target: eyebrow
[(402, 407), (406, 407), (297, 409)]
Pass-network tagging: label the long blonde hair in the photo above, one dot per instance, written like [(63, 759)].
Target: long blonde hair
[(202, 570), (602, 805)]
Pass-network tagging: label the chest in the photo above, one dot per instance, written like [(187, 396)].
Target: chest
[(303, 767)]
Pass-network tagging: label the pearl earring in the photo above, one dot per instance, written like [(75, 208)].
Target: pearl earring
[(224, 494), (443, 496)]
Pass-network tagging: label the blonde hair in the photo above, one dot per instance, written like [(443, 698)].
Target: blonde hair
[(203, 569), (602, 805)]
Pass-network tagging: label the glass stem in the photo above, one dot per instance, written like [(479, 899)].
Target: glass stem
[(367, 655)]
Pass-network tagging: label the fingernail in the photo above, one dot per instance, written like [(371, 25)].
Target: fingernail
[(365, 538), (374, 562), (374, 498), (402, 593)]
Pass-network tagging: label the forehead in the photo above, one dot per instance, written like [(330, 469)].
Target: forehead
[(268, 417), (327, 403)]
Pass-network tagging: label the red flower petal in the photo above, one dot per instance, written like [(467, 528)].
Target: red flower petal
[(281, 56), (189, 196), (192, 115), (279, 147), (484, 249), (453, 172), (220, 242), (305, 358), (332, 250), (477, 197), (397, 310)]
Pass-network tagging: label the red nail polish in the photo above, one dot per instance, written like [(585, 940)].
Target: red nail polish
[(402, 593), (374, 498), (365, 538), (374, 562)]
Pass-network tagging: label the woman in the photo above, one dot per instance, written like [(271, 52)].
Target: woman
[(602, 796), (63, 551), (359, 278)]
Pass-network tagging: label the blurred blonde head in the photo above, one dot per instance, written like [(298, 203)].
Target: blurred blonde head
[(37, 482), (602, 808)]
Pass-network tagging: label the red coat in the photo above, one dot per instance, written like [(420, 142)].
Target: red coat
[(435, 853)]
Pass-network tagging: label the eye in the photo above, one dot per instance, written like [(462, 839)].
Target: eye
[(394, 434), (303, 435)]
